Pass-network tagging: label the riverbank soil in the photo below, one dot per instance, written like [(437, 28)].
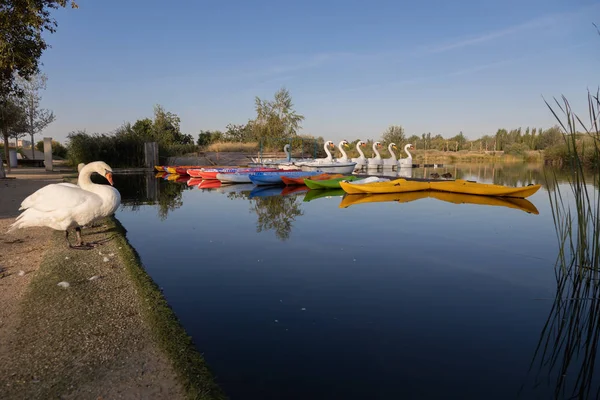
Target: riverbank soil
[(73, 324)]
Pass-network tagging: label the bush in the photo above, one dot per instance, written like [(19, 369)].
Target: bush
[(116, 151), (58, 149), (516, 149), (563, 154)]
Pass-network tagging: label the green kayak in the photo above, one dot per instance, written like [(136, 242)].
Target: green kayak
[(317, 194), (328, 183)]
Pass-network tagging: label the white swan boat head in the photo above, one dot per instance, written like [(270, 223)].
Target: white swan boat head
[(376, 160), (406, 162)]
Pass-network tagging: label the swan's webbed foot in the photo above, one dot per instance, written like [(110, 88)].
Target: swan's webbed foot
[(79, 245)]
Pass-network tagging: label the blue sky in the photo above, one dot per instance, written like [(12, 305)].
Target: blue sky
[(352, 67)]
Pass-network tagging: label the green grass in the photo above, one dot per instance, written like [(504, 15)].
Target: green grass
[(79, 337)]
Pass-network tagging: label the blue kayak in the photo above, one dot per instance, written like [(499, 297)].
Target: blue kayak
[(274, 178)]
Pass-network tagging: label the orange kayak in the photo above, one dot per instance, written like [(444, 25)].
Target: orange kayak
[(300, 180)]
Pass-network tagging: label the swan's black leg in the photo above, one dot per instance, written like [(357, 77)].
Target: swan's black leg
[(80, 245), (67, 238)]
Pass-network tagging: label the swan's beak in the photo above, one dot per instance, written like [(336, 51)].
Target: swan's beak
[(108, 177), (363, 145), (395, 147)]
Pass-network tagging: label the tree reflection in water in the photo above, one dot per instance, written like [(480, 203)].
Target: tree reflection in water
[(274, 212)]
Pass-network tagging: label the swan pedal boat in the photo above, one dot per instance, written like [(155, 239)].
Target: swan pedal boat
[(460, 186), (328, 183), (456, 198)]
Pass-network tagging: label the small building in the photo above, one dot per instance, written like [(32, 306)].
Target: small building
[(20, 143)]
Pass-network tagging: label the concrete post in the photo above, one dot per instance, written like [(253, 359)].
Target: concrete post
[(150, 154), (48, 153)]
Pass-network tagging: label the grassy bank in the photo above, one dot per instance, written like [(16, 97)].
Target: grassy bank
[(109, 333), (451, 157)]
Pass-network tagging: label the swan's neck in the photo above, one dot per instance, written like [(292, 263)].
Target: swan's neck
[(84, 181), (392, 154), (407, 152), (362, 155), (109, 195), (377, 155), (329, 158), (344, 155), (287, 153)]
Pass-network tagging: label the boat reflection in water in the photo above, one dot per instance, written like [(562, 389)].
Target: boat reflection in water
[(456, 198)]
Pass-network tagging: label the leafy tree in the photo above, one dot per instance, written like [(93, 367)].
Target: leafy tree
[(36, 118), (549, 138), (238, 133), (459, 141), (276, 118), (207, 137), (394, 134), (12, 121), (22, 27)]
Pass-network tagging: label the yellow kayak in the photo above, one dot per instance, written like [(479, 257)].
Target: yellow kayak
[(484, 189), (456, 198), (396, 186), (353, 199), (454, 186), (171, 170)]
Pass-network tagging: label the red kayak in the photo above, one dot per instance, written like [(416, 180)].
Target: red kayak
[(194, 181), (212, 173), (208, 184)]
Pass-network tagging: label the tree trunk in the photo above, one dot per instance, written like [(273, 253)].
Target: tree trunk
[(6, 155), (32, 147)]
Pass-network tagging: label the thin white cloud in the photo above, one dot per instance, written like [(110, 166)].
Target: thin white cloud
[(486, 37), (536, 23)]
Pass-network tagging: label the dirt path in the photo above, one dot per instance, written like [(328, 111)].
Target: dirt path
[(96, 338)]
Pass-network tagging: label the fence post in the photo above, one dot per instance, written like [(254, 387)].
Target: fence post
[(47, 153), (150, 154)]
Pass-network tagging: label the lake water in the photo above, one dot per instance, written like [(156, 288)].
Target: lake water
[(306, 295)]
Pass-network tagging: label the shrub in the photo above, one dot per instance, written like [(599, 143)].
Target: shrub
[(58, 149), (516, 149)]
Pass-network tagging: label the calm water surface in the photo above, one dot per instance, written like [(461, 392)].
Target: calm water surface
[(296, 296)]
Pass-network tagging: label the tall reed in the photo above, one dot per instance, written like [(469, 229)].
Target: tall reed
[(568, 345)]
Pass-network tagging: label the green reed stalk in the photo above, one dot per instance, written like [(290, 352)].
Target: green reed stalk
[(568, 345)]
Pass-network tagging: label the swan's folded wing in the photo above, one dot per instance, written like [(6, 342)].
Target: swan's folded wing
[(54, 197)]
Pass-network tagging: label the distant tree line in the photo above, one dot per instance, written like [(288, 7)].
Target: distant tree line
[(515, 141)]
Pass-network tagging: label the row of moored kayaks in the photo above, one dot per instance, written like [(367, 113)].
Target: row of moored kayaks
[(352, 184)]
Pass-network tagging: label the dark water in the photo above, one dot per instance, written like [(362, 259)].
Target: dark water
[(294, 297)]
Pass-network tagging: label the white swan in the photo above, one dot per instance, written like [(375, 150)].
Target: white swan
[(344, 157), (62, 207), (375, 161), (79, 167), (406, 162), (393, 160), (361, 160)]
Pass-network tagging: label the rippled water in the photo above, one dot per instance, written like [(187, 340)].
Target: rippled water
[(312, 295)]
